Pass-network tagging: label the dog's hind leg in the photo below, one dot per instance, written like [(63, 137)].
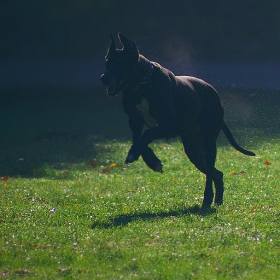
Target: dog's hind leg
[(195, 149), (210, 131), (210, 158), (219, 186)]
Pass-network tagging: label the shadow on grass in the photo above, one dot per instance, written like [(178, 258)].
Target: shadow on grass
[(124, 220)]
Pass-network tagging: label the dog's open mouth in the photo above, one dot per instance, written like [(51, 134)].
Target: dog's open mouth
[(114, 89)]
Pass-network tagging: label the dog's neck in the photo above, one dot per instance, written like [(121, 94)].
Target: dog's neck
[(145, 71), (144, 64)]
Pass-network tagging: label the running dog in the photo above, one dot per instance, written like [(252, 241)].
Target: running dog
[(169, 106)]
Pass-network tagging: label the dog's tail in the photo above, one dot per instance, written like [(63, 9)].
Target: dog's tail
[(230, 138)]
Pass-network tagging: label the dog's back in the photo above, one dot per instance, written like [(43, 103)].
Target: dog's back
[(199, 97)]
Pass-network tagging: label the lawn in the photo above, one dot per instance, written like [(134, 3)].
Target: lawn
[(70, 208)]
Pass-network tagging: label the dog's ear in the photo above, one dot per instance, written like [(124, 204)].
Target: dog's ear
[(112, 48), (129, 46)]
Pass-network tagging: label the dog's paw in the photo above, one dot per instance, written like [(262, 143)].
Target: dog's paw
[(158, 167), (151, 160), (129, 159), (218, 201), (133, 154)]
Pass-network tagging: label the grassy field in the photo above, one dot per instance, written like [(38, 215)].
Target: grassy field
[(70, 208)]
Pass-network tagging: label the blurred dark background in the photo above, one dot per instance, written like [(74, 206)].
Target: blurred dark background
[(51, 57), (212, 30)]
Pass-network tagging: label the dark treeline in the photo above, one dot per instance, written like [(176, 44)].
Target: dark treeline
[(213, 30)]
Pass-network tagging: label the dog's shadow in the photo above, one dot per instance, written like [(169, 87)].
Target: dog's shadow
[(124, 220)]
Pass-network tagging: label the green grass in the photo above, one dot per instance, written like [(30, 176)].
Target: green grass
[(113, 221), (129, 222)]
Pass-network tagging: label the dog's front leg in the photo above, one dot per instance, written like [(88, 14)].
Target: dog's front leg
[(140, 146), (168, 130), (136, 127), (151, 159)]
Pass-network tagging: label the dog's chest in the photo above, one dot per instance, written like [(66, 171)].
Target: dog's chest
[(144, 108)]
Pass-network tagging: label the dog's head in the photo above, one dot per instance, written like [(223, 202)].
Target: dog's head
[(120, 65)]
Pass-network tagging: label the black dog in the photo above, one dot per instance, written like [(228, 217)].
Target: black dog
[(170, 106)]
